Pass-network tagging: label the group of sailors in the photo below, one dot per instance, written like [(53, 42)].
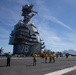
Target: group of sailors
[(51, 57), (46, 55)]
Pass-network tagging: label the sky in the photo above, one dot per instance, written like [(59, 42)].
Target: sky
[(55, 21)]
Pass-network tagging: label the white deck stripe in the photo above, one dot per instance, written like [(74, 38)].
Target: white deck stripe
[(63, 71)]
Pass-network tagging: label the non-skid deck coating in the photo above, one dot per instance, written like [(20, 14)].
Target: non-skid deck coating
[(24, 66)]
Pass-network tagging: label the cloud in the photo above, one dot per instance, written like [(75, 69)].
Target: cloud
[(49, 35), (4, 38), (12, 15), (48, 15), (55, 20), (71, 36), (5, 34), (52, 37)]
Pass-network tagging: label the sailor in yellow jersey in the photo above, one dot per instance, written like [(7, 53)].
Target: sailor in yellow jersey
[(46, 56), (54, 58), (51, 57), (34, 59)]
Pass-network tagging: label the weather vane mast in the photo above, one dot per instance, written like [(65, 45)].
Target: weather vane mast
[(28, 13)]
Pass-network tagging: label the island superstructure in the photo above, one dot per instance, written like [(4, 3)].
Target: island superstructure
[(25, 37)]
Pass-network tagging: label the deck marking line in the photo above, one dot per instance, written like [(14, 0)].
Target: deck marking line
[(63, 71)]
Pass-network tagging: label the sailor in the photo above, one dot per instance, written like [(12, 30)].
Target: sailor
[(52, 57), (34, 59), (46, 56), (8, 59)]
